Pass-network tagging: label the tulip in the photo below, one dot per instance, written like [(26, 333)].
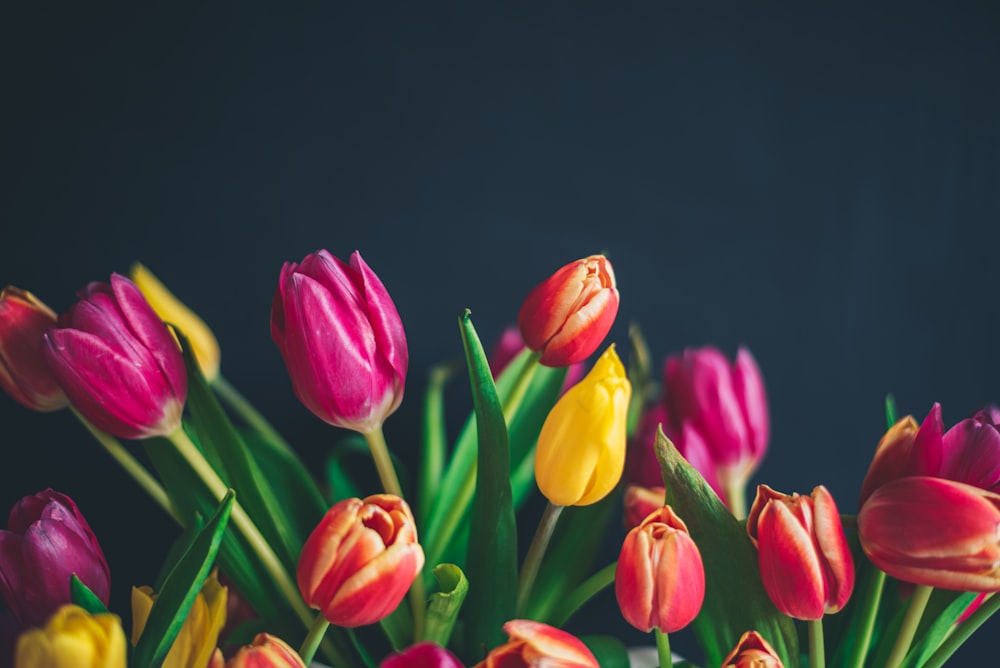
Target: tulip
[(199, 635), (581, 447), (267, 651), (641, 464), (752, 651), (118, 363), (567, 316), (935, 532), (342, 340), (805, 562), (360, 560), (73, 638), (725, 406), (536, 645), (659, 580), (422, 655), (48, 540), (639, 502), (170, 309), (24, 373)]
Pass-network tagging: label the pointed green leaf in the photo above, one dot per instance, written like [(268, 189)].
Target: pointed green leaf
[(890, 411), (81, 595), (433, 440), (444, 605), (942, 611)]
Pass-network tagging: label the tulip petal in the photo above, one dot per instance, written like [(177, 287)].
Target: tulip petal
[(749, 388), (388, 328), (972, 454), (789, 567)]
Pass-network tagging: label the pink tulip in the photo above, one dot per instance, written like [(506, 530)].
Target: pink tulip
[(641, 466), (24, 373), (118, 363), (805, 562), (422, 655), (536, 645), (342, 340), (752, 651)]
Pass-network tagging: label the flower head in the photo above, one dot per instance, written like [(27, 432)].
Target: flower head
[(24, 373), (752, 651), (73, 638), (422, 655), (266, 651), (536, 645)]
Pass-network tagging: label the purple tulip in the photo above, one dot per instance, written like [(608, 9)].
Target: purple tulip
[(342, 340), (422, 655), (118, 363), (47, 540)]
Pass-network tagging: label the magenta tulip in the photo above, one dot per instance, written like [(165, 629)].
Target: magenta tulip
[(342, 340), (24, 373), (47, 540), (422, 655), (118, 363)]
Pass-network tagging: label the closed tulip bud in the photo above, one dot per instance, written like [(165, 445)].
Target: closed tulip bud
[(422, 655), (536, 645), (581, 447), (935, 532), (46, 542), (199, 635), (659, 580), (752, 651), (118, 363), (360, 561), (24, 373), (805, 562), (639, 502), (267, 651), (567, 316), (172, 310), (342, 340), (73, 638)]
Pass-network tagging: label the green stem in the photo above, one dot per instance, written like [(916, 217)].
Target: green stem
[(584, 592), (873, 597), (433, 440), (132, 466), (918, 602), (383, 462), (961, 632), (663, 649), (817, 655), (736, 499), (536, 552), (245, 410), (313, 638)]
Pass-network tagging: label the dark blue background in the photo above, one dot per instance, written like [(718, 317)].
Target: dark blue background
[(820, 185)]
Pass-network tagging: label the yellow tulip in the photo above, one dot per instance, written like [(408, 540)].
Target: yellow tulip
[(198, 636), (581, 448), (73, 638), (172, 310)]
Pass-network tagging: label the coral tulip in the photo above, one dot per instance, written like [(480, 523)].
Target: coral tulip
[(361, 559), (48, 540), (567, 316), (73, 638), (581, 447), (639, 502), (342, 340), (199, 635), (422, 655), (752, 651), (24, 373), (805, 562), (660, 580), (172, 310), (118, 363), (266, 651), (536, 645), (935, 532)]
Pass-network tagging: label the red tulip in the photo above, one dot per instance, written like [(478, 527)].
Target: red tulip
[(361, 559), (805, 562), (639, 502), (422, 655), (752, 651), (536, 645), (266, 651), (567, 316), (24, 373)]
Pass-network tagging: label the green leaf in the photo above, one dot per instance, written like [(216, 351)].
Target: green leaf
[(433, 442), (492, 558), (890, 411), (180, 589), (82, 596), (444, 605), (608, 650), (942, 611), (735, 600)]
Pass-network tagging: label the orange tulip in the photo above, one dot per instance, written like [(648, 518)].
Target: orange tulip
[(536, 645), (752, 651), (266, 651)]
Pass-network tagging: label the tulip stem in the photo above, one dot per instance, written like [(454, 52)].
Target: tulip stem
[(132, 466), (583, 593), (961, 632), (918, 602), (313, 638), (536, 552), (663, 649), (817, 654), (873, 596), (736, 499)]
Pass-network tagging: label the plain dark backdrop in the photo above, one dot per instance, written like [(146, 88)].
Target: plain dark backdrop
[(821, 185)]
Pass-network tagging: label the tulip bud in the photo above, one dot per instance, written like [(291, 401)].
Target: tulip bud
[(422, 655), (935, 532), (752, 651), (660, 580), (581, 447), (118, 363), (805, 562), (342, 340), (47, 540), (172, 310), (639, 502), (199, 635), (567, 316), (73, 638), (267, 651), (536, 645), (361, 559), (24, 373)]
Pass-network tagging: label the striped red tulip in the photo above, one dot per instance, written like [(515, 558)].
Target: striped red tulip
[(266, 651), (24, 372)]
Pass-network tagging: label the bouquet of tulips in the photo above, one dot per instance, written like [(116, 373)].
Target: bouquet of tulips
[(275, 566)]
